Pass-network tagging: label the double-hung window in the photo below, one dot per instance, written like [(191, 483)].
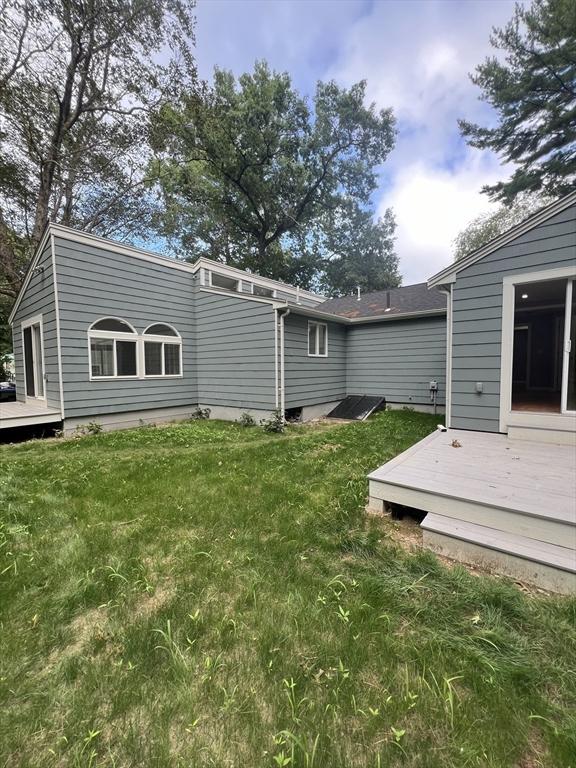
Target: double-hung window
[(317, 339), (113, 349), (162, 351)]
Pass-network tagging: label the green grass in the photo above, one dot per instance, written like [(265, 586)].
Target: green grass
[(207, 595)]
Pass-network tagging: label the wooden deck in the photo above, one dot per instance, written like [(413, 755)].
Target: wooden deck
[(19, 414), (507, 505)]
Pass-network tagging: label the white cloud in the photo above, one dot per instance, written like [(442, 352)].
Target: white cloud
[(416, 58), (432, 206)]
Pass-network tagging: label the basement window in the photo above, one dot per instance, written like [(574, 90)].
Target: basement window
[(317, 339)]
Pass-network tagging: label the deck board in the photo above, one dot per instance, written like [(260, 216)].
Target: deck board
[(489, 469), (526, 547), (20, 414)]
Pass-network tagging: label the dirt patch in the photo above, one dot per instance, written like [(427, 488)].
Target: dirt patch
[(151, 603), (82, 629), (536, 755)]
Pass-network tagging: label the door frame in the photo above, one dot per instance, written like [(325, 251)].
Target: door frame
[(507, 417), (566, 348), (39, 370)]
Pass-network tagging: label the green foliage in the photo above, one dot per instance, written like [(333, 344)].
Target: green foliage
[(91, 428), (204, 595), (276, 423), (247, 420), (533, 90), (256, 176), (200, 414), (77, 81), (362, 255), (487, 226)]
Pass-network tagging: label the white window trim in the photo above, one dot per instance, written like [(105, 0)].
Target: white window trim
[(508, 417), (112, 336), (160, 339), (139, 340), (237, 280), (317, 325), (36, 320)]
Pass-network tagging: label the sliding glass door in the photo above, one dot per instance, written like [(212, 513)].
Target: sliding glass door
[(33, 360)]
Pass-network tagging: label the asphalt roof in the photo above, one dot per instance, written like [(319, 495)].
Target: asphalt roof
[(409, 299)]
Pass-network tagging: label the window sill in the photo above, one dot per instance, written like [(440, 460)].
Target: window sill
[(166, 376)]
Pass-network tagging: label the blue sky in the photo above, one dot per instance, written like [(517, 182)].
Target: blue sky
[(416, 56)]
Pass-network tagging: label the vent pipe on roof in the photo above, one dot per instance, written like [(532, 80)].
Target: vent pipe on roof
[(358, 289), (387, 301)]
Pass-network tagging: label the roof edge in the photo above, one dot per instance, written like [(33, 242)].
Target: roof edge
[(30, 271), (447, 275), (312, 312)]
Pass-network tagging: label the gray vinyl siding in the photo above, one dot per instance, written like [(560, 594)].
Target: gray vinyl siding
[(477, 315), (313, 380), (235, 351), (94, 283), (398, 360), (39, 299)]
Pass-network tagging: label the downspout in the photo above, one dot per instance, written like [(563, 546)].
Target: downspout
[(283, 314), (276, 358), (448, 291)]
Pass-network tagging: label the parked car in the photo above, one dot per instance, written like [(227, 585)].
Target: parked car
[(7, 391)]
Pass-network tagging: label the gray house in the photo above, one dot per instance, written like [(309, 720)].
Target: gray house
[(499, 487), (511, 316), (121, 336)]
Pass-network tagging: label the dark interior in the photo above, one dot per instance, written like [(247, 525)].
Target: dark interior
[(538, 339)]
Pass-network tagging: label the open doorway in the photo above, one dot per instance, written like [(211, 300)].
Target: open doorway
[(538, 351)]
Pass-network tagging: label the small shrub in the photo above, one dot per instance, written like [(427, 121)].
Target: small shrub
[(92, 428), (200, 414), (247, 420), (275, 423)]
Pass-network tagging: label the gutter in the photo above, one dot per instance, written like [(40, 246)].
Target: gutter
[(309, 312)]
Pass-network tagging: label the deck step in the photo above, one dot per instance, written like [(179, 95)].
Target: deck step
[(552, 555)]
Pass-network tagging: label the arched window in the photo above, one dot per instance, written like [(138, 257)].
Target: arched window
[(112, 324), (162, 351), (113, 352)]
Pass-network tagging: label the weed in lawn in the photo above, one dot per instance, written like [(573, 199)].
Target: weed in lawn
[(208, 595)]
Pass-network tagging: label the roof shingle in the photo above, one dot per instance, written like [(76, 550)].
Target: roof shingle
[(406, 300)]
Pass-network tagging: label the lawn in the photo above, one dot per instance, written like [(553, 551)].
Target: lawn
[(209, 595)]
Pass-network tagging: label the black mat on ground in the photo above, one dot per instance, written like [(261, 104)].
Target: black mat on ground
[(358, 407)]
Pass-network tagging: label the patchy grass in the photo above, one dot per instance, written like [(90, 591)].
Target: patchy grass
[(207, 595)]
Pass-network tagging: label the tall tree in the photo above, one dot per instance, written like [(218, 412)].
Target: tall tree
[(77, 79), (361, 253), (533, 90), (250, 168), (489, 225)]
